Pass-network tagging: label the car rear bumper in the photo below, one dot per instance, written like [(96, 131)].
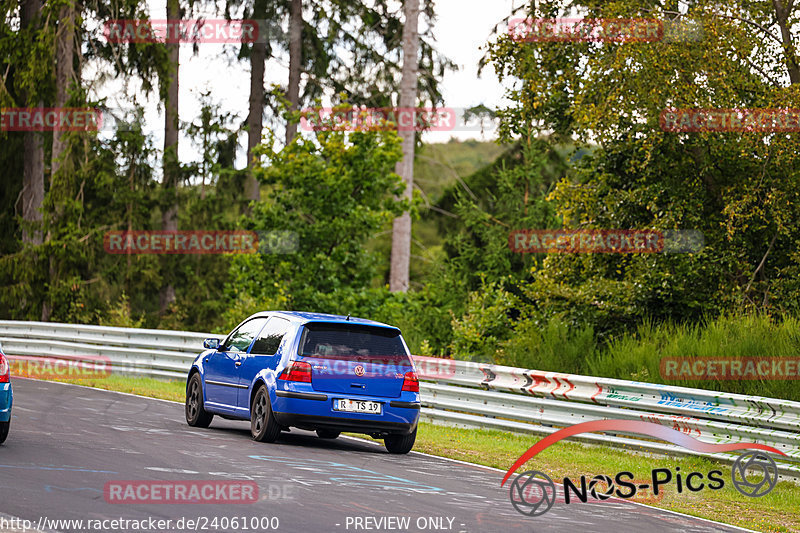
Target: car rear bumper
[(6, 399), (352, 425), (314, 410)]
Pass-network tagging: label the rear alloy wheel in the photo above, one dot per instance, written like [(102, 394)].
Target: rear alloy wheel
[(196, 415), (4, 431), (400, 443), (263, 426), (328, 434)]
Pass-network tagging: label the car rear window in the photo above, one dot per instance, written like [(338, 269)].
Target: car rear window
[(351, 342)]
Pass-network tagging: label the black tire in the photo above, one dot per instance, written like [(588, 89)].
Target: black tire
[(263, 426), (4, 426), (196, 415), (400, 443), (328, 434)]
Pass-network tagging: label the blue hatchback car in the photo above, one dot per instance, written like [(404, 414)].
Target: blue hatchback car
[(318, 372), (6, 397)]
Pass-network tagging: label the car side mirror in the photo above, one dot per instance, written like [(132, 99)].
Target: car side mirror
[(211, 344)]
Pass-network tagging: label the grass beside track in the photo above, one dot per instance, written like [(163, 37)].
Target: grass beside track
[(775, 512), (153, 388)]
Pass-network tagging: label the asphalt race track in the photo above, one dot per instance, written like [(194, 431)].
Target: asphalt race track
[(67, 442)]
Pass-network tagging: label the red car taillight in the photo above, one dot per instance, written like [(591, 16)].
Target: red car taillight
[(411, 382), (4, 369), (297, 371)]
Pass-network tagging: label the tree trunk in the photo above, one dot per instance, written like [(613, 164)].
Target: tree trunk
[(782, 13), (59, 177), (33, 156), (295, 59), (401, 228), (169, 217), (258, 58), (65, 76), (32, 185)]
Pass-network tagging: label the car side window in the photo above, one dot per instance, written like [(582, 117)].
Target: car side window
[(271, 336), (240, 339)]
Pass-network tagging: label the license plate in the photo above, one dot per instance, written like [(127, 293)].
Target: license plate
[(357, 406)]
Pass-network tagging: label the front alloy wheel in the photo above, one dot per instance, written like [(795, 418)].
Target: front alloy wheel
[(196, 415)]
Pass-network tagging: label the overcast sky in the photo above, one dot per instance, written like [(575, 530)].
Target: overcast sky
[(462, 30)]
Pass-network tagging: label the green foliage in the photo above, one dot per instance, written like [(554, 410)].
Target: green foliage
[(480, 211), (333, 193), (437, 168), (739, 189), (121, 315), (637, 354), (425, 317), (243, 305), (581, 147), (548, 344), (477, 334), (355, 48), (507, 197)]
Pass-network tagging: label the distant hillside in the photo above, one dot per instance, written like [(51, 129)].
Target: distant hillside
[(440, 165), (436, 169)]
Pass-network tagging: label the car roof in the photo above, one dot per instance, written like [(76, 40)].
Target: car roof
[(304, 317)]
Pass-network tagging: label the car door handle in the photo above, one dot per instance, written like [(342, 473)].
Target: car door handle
[(238, 363)]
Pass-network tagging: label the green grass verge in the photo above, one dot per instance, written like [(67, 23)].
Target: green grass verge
[(153, 388), (775, 512)]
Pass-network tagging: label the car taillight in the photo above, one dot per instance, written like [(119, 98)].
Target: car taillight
[(411, 382), (4, 369), (297, 371)]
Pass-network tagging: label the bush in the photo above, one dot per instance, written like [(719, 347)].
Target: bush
[(638, 355), (477, 335), (549, 344)]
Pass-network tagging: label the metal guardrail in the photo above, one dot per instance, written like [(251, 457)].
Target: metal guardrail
[(531, 401), (472, 394)]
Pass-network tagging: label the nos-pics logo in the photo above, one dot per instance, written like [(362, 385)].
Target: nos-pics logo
[(533, 493)]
